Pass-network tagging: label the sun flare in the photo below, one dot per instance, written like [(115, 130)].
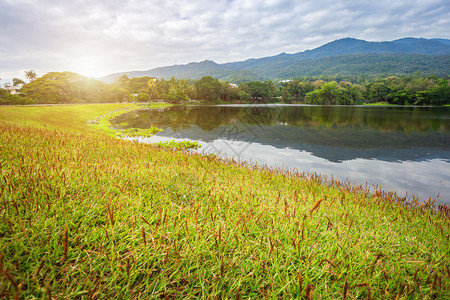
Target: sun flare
[(89, 66)]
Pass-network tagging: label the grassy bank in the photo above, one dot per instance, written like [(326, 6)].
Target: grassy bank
[(380, 104), (84, 214)]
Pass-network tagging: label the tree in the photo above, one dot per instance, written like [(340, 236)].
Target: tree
[(230, 92), (162, 87), (178, 90), (31, 75), (209, 89), (13, 99), (138, 85), (290, 91), (142, 97), (119, 94), (260, 92), (349, 93), (122, 82), (378, 91), (17, 81), (69, 87), (243, 96), (151, 85), (328, 93)]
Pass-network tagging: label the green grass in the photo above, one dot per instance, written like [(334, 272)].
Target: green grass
[(87, 215), (138, 132), (179, 144), (380, 103), (104, 122), (63, 117)]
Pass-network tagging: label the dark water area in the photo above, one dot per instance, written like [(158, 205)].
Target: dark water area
[(402, 149)]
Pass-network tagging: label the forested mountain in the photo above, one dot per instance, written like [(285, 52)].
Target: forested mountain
[(345, 56), (354, 46)]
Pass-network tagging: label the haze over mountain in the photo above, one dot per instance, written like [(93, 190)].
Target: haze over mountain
[(346, 56)]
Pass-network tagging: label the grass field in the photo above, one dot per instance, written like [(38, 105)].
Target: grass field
[(86, 215)]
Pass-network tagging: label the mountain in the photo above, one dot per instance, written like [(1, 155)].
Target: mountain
[(353, 46), (346, 56)]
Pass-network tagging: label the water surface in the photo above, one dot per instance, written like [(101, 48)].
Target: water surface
[(402, 149)]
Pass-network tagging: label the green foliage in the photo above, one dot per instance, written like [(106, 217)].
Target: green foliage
[(17, 81), (329, 93), (136, 85), (244, 96), (104, 123), (438, 95), (179, 145), (409, 90), (31, 75), (350, 93), (3, 93), (378, 91), (122, 82), (67, 87), (178, 91), (230, 92), (142, 97), (295, 90), (138, 132), (9, 99), (365, 64), (260, 92), (111, 94), (209, 89)]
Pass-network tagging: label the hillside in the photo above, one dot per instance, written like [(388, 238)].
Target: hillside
[(345, 56)]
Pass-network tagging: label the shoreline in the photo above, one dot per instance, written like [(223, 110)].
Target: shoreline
[(409, 188)]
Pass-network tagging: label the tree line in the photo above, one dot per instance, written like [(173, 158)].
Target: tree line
[(68, 87)]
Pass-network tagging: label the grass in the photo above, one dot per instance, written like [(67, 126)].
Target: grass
[(103, 122), (138, 132), (69, 117), (179, 144), (86, 215), (380, 103)]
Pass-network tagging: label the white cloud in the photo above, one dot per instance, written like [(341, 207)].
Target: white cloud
[(52, 35)]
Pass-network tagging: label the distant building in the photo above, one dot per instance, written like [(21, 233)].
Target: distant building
[(14, 89), (233, 85)]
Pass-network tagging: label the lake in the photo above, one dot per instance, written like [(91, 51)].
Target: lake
[(401, 149)]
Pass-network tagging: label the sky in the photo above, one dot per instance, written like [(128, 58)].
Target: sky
[(97, 38)]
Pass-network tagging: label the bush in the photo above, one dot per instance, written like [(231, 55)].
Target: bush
[(142, 97), (13, 99)]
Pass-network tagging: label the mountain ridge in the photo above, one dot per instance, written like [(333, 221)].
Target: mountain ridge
[(348, 56)]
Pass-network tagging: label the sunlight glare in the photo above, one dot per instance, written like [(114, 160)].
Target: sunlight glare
[(89, 66)]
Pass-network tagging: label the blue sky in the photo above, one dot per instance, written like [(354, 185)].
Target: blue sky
[(96, 38)]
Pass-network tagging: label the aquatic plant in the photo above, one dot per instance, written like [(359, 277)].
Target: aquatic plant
[(138, 132), (179, 144)]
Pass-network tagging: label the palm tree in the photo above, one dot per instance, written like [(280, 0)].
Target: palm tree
[(151, 84), (31, 75)]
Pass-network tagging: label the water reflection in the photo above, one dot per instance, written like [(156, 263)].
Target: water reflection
[(402, 148)]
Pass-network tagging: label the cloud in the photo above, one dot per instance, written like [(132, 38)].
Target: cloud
[(50, 35)]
